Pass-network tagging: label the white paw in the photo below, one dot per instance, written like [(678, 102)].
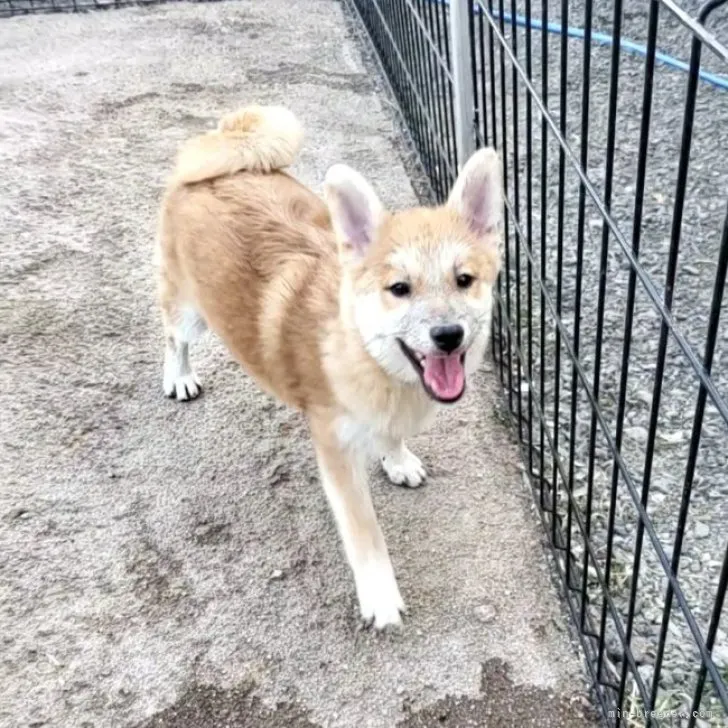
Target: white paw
[(182, 387), (404, 468), (380, 602)]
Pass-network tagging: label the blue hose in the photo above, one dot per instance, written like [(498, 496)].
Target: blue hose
[(607, 40)]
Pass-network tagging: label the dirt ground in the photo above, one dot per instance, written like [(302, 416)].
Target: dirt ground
[(170, 565)]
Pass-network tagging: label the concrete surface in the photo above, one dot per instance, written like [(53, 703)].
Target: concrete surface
[(176, 565)]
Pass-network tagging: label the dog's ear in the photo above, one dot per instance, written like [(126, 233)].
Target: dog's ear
[(478, 192), (356, 211)]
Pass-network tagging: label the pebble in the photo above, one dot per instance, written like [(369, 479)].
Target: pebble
[(637, 433), (673, 438), (720, 655), (485, 613), (662, 485), (702, 530)]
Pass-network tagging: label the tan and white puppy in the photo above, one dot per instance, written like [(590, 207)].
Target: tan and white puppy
[(364, 319)]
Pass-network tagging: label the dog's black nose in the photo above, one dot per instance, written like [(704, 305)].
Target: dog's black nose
[(447, 338)]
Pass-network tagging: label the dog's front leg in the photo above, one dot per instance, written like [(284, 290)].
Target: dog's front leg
[(400, 464), (344, 478)]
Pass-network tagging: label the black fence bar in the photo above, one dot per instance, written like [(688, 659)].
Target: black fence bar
[(569, 373), (542, 241)]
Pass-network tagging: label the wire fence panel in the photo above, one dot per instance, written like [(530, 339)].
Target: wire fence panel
[(412, 40), (612, 121)]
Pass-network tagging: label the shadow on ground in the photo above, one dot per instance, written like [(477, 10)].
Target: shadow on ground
[(501, 704)]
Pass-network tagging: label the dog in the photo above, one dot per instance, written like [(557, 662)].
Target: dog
[(366, 320)]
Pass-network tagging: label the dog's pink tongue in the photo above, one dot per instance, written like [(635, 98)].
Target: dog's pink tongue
[(445, 375)]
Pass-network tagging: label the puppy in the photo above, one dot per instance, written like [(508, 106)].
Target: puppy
[(364, 319)]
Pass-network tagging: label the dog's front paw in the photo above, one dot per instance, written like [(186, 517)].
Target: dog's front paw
[(380, 602), (404, 468), (183, 387)]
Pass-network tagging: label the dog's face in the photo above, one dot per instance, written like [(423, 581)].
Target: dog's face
[(420, 282)]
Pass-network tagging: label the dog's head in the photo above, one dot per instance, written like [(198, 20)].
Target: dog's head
[(418, 283)]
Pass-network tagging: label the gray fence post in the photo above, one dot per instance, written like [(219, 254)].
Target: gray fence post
[(462, 88)]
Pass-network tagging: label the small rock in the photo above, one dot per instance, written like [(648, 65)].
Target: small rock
[(702, 530), (661, 485), (641, 649), (485, 613), (720, 656), (276, 575), (673, 438), (637, 433)]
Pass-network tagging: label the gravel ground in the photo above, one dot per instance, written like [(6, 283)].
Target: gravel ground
[(171, 565), (705, 210)]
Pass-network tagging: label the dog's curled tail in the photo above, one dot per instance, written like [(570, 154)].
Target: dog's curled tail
[(253, 139)]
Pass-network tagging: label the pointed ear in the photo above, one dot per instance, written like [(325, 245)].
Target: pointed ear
[(355, 209), (478, 192)]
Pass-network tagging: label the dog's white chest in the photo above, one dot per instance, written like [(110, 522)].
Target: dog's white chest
[(365, 432)]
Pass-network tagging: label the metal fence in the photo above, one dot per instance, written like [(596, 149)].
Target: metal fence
[(607, 336), (414, 48)]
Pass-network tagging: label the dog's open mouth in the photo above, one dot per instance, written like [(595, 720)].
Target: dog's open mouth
[(442, 375)]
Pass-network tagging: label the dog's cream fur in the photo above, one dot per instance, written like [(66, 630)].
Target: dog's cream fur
[(300, 292)]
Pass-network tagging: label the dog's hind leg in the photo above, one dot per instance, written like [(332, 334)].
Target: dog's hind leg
[(344, 479), (182, 326), (401, 465)]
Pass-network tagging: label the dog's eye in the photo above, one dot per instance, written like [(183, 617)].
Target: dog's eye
[(400, 290), (464, 280)]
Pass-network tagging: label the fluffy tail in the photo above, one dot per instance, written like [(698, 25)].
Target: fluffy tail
[(254, 139)]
